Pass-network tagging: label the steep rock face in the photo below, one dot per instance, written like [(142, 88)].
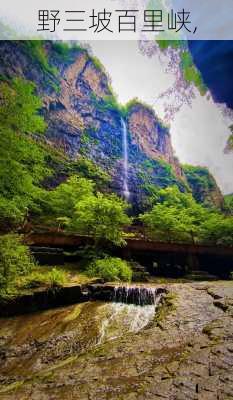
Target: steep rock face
[(73, 112), (152, 137), (86, 99), (83, 117), (203, 185)]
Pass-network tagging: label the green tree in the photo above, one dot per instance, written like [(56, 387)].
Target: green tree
[(172, 196), (77, 206), (172, 223), (62, 200), (102, 216), (178, 217), (175, 217), (15, 260), (22, 161), (217, 229)]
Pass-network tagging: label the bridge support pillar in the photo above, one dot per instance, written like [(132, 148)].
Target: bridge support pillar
[(192, 262)]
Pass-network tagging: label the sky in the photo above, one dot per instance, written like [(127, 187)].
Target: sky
[(199, 132)]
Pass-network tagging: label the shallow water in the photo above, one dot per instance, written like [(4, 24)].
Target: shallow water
[(41, 339), (124, 318), (71, 353)]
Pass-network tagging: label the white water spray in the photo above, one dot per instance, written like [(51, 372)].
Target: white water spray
[(133, 308), (124, 318), (125, 159)]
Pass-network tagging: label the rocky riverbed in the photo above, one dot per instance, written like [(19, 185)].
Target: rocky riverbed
[(99, 351)]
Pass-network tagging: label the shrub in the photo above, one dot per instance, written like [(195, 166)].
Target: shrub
[(15, 259), (110, 268)]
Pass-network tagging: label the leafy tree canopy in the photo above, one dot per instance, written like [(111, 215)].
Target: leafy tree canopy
[(102, 216), (77, 206), (217, 229), (177, 216), (62, 200), (15, 259), (22, 161)]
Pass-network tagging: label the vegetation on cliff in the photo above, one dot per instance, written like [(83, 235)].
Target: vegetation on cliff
[(203, 185), (191, 73), (228, 204), (36, 50)]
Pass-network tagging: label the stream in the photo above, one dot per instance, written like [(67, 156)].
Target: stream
[(116, 350), (47, 336)]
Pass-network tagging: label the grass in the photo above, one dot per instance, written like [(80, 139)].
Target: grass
[(40, 277), (49, 277)]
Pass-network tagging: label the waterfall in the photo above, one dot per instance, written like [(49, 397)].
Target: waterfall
[(132, 309), (125, 159), (121, 319), (140, 296)]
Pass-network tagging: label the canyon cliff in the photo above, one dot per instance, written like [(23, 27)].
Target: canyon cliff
[(84, 119)]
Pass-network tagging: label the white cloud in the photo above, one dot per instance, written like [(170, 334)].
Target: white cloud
[(199, 135), (132, 74)]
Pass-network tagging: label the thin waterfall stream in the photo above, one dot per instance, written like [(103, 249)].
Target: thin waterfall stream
[(125, 159)]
